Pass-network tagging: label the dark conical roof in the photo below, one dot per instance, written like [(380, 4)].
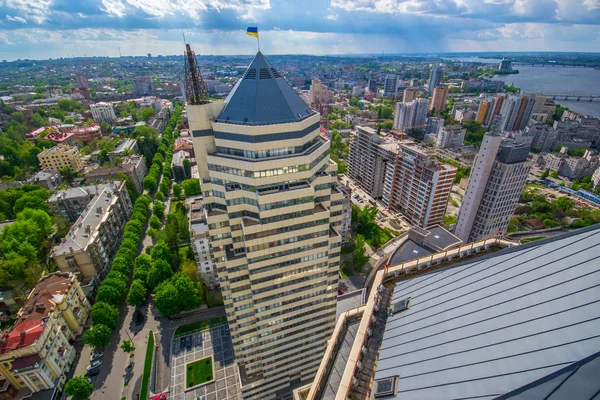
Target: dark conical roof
[(263, 97)]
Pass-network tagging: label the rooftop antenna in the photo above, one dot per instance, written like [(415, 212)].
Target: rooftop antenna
[(120, 52), (183, 33)]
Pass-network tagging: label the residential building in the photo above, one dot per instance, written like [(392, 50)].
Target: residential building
[(48, 178), (516, 111), (272, 211), (133, 167), (543, 110), (463, 114), (103, 112), (319, 94), (596, 178), (124, 148), (418, 185), (62, 138), (435, 77), (495, 184), (86, 134), (489, 107), (200, 241), (36, 352), (411, 115), (473, 322), (89, 247), (450, 136), (567, 166), (390, 86), (434, 125), (439, 98), (143, 86), (367, 160), (177, 165), (410, 94), (184, 143), (59, 157), (505, 65), (70, 203)]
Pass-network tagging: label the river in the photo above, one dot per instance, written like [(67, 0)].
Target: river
[(559, 80)]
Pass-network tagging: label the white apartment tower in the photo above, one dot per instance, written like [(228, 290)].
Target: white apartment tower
[(273, 213), (103, 112), (435, 77), (515, 112), (412, 115), (497, 179), (390, 86)]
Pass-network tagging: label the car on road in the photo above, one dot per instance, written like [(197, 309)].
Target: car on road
[(94, 364), (96, 356), (182, 343), (188, 342), (92, 372), (227, 330)]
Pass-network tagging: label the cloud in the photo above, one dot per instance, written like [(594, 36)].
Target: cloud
[(16, 19)]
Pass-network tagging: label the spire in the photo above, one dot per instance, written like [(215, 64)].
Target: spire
[(263, 97), (195, 89)]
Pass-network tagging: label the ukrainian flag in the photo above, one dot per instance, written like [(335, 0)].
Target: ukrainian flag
[(252, 31)]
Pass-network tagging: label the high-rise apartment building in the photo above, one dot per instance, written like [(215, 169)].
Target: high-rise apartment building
[(319, 94), (515, 112), (367, 160), (435, 77), (272, 213), (489, 107), (497, 179), (418, 185), (103, 112), (89, 247), (410, 94), (390, 86), (439, 98), (59, 157), (411, 115), (450, 136)]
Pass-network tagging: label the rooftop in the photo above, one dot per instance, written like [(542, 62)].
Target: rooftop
[(78, 192), (59, 137), (513, 319), (263, 97)]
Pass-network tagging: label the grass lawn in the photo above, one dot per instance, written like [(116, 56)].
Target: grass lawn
[(199, 325), (198, 372), (147, 366)]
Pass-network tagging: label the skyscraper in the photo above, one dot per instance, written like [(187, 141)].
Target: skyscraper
[(273, 213), (410, 94), (497, 179), (438, 100), (515, 112), (435, 77), (411, 115), (390, 86), (418, 185)]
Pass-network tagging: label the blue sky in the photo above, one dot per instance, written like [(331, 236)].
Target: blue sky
[(40, 29)]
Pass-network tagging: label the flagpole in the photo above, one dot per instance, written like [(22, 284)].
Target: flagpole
[(258, 39)]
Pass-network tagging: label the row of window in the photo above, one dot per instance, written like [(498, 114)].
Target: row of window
[(281, 242), (282, 151), (290, 262), (289, 273), (287, 252), (290, 228)]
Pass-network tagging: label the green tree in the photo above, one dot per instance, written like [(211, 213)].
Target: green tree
[(359, 257), (148, 113), (78, 388), (112, 291), (155, 222), (160, 196), (563, 203), (104, 314), (177, 190), (67, 173), (187, 168), (97, 336), (158, 209), (137, 293), (127, 347), (142, 266), (160, 251), (177, 294), (160, 272), (149, 183), (545, 174), (191, 187)]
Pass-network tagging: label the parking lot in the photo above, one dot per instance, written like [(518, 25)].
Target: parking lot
[(214, 342)]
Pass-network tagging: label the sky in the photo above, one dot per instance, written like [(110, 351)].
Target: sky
[(40, 29)]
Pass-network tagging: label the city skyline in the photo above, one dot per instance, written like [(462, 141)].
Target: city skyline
[(99, 28)]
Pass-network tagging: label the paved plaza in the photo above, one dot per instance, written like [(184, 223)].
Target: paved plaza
[(213, 342)]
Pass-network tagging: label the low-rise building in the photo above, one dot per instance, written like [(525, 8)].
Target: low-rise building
[(134, 167), (48, 178), (103, 112), (36, 353), (450, 136), (567, 166), (59, 157), (86, 134), (89, 247), (124, 148), (71, 202), (63, 138), (177, 165), (200, 240)]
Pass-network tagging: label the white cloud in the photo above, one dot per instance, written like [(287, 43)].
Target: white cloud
[(16, 18), (37, 10)]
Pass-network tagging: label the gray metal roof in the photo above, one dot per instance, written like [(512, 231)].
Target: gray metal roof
[(263, 97), (488, 327), (407, 251)]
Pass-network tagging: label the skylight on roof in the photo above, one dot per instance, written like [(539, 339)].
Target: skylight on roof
[(386, 386)]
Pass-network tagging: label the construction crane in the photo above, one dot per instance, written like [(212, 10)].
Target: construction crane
[(195, 89)]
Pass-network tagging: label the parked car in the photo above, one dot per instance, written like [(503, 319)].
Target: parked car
[(227, 330), (340, 292), (188, 342), (182, 343), (94, 364), (162, 396), (92, 372), (96, 356)]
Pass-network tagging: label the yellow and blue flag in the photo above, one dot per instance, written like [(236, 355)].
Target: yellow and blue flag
[(252, 31)]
